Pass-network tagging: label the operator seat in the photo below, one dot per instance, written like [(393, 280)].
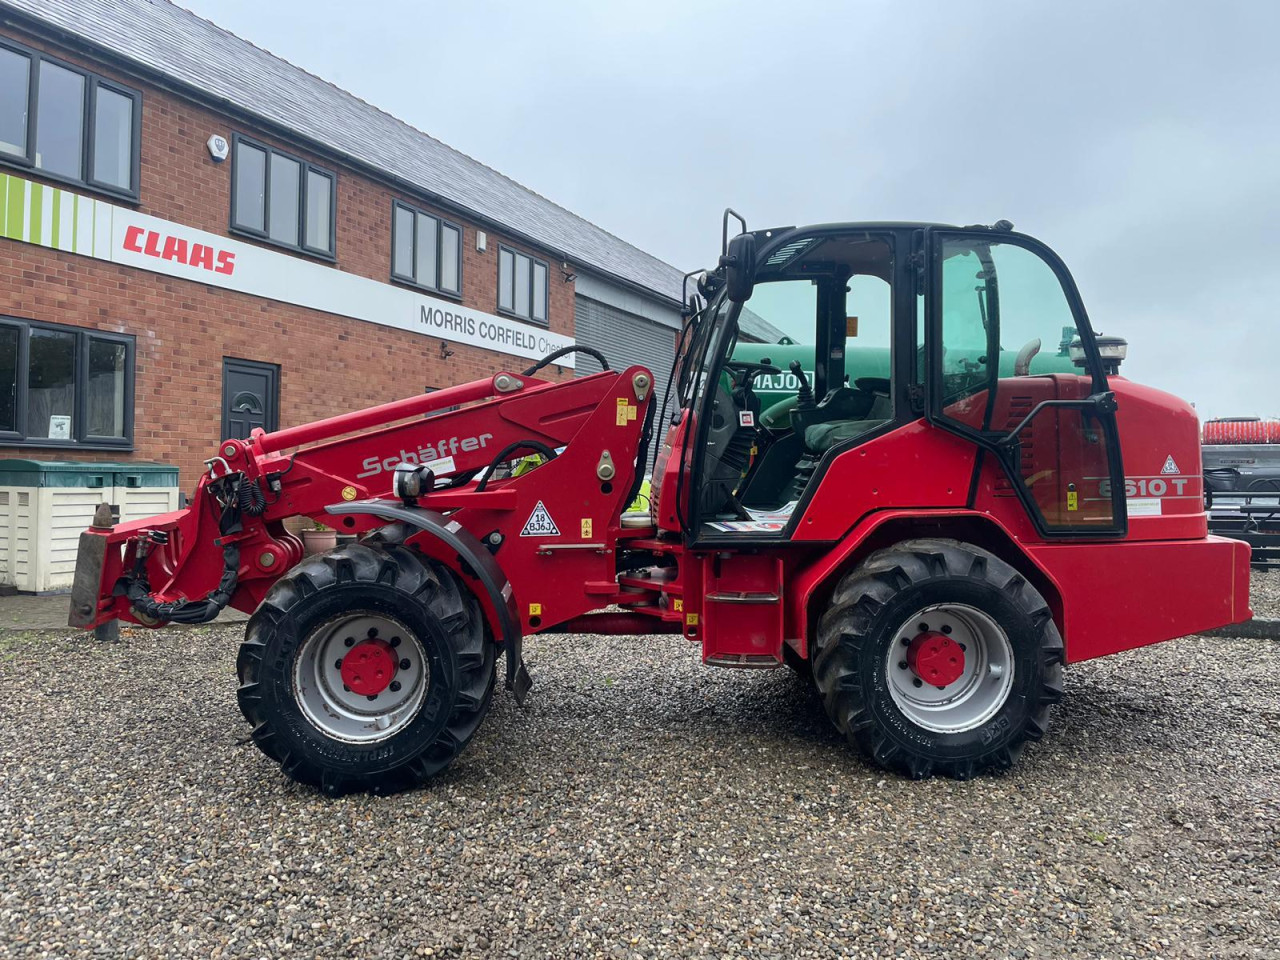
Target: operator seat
[(821, 437), (874, 411)]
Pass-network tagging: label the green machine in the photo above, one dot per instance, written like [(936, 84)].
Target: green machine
[(778, 391)]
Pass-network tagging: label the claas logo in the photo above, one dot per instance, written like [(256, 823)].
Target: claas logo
[(151, 243)]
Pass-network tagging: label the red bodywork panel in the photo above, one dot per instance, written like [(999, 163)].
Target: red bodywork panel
[(1139, 593), (914, 467), (670, 498), (1131, 594)]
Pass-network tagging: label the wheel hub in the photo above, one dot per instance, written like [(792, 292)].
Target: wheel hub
[(369, 667), (935, 658), (361, 676), (950, 669)]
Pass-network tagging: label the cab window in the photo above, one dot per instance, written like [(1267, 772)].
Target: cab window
[(781, 407), (1011, 370)]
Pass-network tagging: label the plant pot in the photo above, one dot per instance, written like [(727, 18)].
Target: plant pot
[(318, 541)]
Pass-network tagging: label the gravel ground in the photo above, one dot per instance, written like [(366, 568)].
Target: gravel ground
[(642, 806), (1264, 594)]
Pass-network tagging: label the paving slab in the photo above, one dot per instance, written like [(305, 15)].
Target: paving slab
[(26, 611)]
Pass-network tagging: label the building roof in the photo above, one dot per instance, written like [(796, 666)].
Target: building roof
[(213, 63), (174, 42)]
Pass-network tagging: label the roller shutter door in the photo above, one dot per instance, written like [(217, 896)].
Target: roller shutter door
[(624, 339)]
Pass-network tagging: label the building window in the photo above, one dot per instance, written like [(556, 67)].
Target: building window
[(425, 250), (63, 386), (68, 124), (281, 199), (522, 286)]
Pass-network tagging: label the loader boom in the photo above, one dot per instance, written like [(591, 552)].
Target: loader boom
[(339, 472)]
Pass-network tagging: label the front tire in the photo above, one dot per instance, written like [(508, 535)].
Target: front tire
[(366, 668), (938, 657)]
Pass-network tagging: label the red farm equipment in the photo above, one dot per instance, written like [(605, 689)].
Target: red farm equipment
[(1241, 458), (931, 545)]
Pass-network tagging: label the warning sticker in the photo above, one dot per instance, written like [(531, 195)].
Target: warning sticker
[(746, 418), (540, 524), (627, 411), (1170, 466)]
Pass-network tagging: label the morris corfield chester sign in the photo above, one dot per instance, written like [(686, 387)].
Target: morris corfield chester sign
[(51, 217)]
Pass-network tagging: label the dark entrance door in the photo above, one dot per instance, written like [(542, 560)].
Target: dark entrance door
[(250, 397)]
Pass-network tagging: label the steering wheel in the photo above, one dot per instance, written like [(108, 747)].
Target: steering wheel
[(752, 365), (749, 369), (876, 385)]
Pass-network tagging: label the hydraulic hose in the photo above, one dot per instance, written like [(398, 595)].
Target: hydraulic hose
[(505, 454), (250, 498), (186, 611), (552, 357)]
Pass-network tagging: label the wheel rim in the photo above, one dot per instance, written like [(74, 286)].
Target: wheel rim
[(373, 699), (973, 681)]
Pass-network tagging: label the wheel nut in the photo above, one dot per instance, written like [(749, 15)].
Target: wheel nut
[(338, 664), (395, 686), (946, 628), (924, 628), (906, 641), (345, 688), (404, 664), (372, 696), (373, 632), (917, 682), (395, 641), (349, 642), (902, 664)]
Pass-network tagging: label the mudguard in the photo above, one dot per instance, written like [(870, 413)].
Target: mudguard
[(481, 562)]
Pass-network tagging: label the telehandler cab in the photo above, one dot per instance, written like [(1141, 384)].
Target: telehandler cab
[(931, 541)]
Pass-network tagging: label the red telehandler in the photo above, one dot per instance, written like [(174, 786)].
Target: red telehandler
[(931, 546)]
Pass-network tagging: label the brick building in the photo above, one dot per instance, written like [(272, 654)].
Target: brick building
[(197, 238)]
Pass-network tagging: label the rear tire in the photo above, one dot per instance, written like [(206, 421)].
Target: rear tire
[(1012, 657), (294, 694)]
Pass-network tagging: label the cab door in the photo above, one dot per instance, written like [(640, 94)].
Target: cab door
[(1012, 365)]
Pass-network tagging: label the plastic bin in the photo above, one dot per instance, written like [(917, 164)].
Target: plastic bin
[(46, 504), (144, 489)]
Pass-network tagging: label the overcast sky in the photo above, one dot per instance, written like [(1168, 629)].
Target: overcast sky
[(1141, 140)]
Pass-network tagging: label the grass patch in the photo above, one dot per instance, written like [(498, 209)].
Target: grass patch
[(14, 642)]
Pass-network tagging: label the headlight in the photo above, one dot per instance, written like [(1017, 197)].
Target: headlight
[(1112, 350), (411, 480)]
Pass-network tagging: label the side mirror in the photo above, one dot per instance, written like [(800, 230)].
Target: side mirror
[(739, 263)]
